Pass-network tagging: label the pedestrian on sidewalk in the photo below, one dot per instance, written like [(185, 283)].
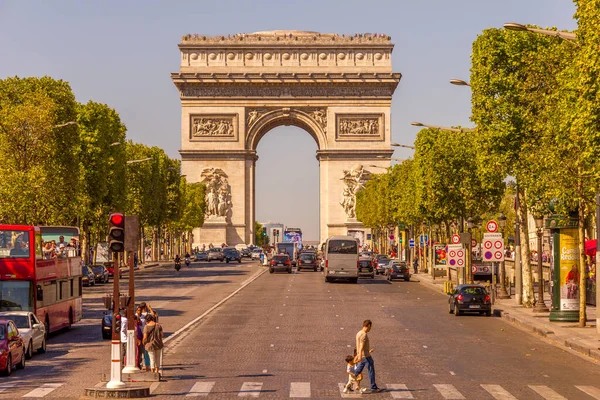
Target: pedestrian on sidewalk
[(124, 335), (153, 342), (416, 265), (363, 356), (139, 335)]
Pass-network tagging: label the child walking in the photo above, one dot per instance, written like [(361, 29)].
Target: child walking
[(352, 377)]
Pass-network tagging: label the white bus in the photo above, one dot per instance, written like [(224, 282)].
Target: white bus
[(341, 258)]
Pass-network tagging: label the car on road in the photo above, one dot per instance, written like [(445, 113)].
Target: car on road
[(111, 270), (12, 347), (341, 258), (469, 298), (88, 278), (365, 268), (397, 270), (201, 256), (100, 273), (107, 326), (215, 254), (256, 254), (232, 254), (280, 262), (381, 263), (368, 254), (32, 331), (246, 252), (307, 260)]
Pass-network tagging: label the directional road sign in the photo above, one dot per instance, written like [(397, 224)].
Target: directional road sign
[(411, 243), (492, 247)]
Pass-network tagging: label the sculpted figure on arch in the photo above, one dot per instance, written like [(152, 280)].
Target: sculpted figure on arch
[(355, 180), (217, 192)]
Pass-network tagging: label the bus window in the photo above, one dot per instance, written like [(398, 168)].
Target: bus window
[(72, 288), (39, 295), (14, 244), (16, 296), (80, 287)]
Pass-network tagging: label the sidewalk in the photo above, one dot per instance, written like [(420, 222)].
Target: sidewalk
[(561, 334)]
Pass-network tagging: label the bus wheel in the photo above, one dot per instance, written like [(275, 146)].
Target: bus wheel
[(47, 325)]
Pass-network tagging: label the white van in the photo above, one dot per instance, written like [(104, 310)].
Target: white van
[(341, 258)]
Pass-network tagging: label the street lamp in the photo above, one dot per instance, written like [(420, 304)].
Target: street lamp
[(393, 144), (445, 128), (540, 306), (138, 161), (503, 294), (114, 144), (377, 166), (469, 251), (459, 82), (392, 158), (65, 124), (513, 26)]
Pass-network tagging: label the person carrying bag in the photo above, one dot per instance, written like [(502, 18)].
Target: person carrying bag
[(153, 341)]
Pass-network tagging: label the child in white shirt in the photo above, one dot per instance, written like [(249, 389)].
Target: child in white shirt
[(352, 377)]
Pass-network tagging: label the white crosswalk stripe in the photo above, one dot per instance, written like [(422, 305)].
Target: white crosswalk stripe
[(498, 392), (43, 390), (399, 391), (546, 392), (300, 390), (250, 389), (449, 392), (200, 389), (5, 386), (590, 391), (349, 395)]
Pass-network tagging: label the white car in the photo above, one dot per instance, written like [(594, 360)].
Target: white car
[(256, 254), (32, 331)]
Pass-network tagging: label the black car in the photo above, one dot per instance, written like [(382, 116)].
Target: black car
[(201, 256), (381, 263), (88, 278), (100, 273), (469, 298), (232, 254), (281, 261), (107, 326), (365, 268), (307, 260), (397, 270), (247, 252)]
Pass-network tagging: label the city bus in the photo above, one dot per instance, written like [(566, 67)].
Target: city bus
[(40, 271)]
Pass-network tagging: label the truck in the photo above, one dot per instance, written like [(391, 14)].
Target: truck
[(290, 248)]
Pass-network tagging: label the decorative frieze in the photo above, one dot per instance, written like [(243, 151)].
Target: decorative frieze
[(287, 37), (288, 91), (213, 127), (360, 127)]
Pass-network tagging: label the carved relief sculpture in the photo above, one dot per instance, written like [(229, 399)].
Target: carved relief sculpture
[(321, 117), (217, 193), (359, 126), (212, 126), (355, 180), (253, 115)]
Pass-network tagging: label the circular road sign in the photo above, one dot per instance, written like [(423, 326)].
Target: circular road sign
[(473, 243), (474, 268), (491, 226), (498, 255), (452, 262), (460, 253), (487, 244), (498, 244), (452, 253), (455, 239), (460, 263), (488, 255)]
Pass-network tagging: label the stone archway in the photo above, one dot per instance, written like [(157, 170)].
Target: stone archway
[(235, 89)]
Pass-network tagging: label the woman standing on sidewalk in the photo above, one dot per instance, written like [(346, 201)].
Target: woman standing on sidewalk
[(153, 341)]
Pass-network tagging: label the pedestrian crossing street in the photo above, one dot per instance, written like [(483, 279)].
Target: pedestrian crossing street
[(303, 390)]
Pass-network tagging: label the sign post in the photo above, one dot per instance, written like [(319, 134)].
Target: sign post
[(456, 258), (131, 241)]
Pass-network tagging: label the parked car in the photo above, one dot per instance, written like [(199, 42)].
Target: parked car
[(31, 329), (397, 270), (366, 268), (215, 254), (281, 262), (107, 326), (307, 260), (256, 254), (88, 278), (100, 273), (232, 254), (111, 270), (367, 254), (201, 256), (380, 263), (12, 347), (469, 298), (246, 252)]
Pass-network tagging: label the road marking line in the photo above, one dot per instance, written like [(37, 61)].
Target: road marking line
[(452, 373), (200, 389), (498, 392), (195, 320), (449, 392), (264, 371), (590, 391), (399, 391), (546, 392), (154, 386), (349, 395), (250, 389), (43, 390), (5, 386), (300, 389)]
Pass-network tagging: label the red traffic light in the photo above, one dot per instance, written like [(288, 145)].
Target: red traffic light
[(117, 219)]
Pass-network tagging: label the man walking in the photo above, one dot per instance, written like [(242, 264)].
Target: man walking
[(363, 356)]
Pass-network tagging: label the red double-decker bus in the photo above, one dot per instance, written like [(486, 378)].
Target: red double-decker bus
[(40, 271)]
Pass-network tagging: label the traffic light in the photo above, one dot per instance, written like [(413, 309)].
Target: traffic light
[(276, 232), (116, 232), (117, 322), (264, 231)]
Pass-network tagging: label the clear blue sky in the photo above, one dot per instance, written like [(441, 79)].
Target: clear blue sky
[(121, 53)]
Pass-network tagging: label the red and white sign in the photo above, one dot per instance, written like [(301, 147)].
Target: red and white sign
[(492, 247), (492, 226), (455, 239), (473, 243), (456, 255)]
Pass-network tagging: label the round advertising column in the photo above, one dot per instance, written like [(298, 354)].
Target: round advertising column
[(565, 289)]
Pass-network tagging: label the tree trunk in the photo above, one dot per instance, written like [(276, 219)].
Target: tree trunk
[(154, 244), (582, 271), (83, 244), (528, 296)]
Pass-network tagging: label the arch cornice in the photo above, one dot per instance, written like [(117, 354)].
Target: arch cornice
[(285, 116)]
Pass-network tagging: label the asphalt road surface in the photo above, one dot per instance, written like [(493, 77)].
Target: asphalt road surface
[(286, 336)]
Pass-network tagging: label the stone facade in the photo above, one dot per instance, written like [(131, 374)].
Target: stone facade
[(235, 89)]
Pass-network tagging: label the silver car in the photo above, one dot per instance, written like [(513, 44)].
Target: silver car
[(32, 331)]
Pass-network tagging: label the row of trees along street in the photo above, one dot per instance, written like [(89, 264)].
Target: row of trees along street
[(537, 115), (68, 163)]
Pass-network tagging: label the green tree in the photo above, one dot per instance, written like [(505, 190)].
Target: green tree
[(259, 239)]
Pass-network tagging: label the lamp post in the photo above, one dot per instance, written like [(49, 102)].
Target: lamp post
[(445, 128), (469, 251), (513, 26), (503, 294), (540, 306), (424, 250), (393, 144), (459, 82)]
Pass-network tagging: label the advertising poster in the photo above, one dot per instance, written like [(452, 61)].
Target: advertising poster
[(569, 273), (102, 254), (358, 235), (293, 235), (440, 256)]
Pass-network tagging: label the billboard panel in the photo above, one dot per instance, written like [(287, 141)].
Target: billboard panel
[(293, 235)]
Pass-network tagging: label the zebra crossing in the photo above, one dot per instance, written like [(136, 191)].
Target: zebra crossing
[(303, 390)]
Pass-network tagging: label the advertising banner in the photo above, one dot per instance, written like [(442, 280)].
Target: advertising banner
[(293, 235), (569, 272), (440, 256)]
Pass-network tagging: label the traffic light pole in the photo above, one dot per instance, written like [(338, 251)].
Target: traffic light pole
[(115, 348), (130, 364)]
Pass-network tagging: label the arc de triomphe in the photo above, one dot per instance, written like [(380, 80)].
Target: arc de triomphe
[(234, 89)]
